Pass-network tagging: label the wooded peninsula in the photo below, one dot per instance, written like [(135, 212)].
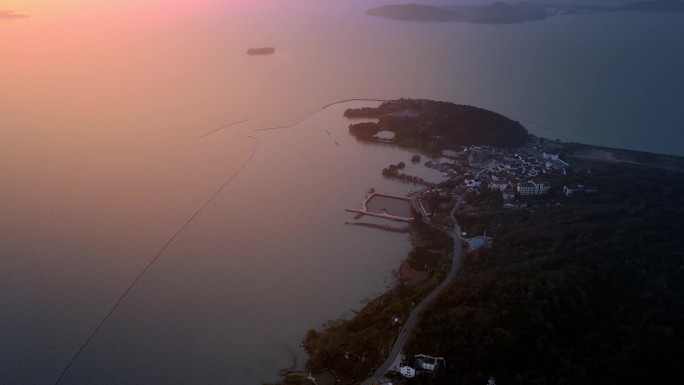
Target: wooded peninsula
[(576, 286), (433, 126)]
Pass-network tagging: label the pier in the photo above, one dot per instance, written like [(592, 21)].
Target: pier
[(364, 208)]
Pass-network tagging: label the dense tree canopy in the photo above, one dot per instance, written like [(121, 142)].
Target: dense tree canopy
[(431, 125), (587, 293)]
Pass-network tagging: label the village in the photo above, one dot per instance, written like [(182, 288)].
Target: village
[(517, 174), (533, 174)]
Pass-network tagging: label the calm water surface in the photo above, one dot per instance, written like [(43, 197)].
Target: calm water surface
[(102, 160), (392, 206)]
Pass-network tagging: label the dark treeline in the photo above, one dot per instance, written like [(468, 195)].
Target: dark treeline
[(433, 126), (393, 169), (364, 131), (393, 172), (590, 292)]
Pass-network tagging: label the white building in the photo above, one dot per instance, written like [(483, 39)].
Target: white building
[(407, 371), (531, 188), (498, 186), (526, 188), (471, 183), (541, 188), (429, 363)]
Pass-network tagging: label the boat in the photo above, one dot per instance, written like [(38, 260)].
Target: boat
[(261, 51)]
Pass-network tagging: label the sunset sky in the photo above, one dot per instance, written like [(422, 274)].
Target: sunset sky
[(127, 7)]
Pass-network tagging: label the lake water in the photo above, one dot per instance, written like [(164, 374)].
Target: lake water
[(102, 112), (392, 206)]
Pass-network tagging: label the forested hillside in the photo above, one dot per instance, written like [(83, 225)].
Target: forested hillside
[(590, 292)]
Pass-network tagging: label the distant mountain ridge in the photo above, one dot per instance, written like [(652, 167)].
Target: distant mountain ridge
[(414, 12), (510, 13), (654, 6)]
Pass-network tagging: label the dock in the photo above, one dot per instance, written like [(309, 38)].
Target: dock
[(364, 208)]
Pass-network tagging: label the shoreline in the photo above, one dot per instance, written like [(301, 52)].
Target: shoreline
[(385, 354), (409, 277), (416, 313)]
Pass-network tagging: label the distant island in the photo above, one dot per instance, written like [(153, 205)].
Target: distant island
[(261, 51), (507, 13), (11, 15), (432, 126)]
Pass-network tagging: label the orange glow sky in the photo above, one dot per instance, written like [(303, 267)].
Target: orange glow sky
[(109, 12), (126, 8)]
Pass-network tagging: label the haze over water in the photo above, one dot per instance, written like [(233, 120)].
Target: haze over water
[(102, 112)]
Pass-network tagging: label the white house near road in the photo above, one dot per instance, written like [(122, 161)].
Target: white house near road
[(429, 363), (407, 371)]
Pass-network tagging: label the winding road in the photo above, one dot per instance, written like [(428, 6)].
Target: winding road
[(410, 322)]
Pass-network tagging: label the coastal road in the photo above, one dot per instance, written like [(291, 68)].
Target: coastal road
[(410, 322)]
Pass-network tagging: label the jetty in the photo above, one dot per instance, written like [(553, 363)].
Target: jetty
[(385, 215)]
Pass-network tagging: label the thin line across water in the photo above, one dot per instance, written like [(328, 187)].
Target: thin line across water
[(319, 110), (224, 127), (156, 257)]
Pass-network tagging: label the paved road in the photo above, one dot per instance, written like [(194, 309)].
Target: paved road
[(403, 335)]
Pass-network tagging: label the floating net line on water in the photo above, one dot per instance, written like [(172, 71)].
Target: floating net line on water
[(319, 110), (224, 127), (540, 126), (156, 257)]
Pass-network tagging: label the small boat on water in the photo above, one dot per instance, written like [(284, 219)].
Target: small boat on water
[(261, 51)]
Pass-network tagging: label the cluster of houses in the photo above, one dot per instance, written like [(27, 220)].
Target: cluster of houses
[(500, 168), (514, 174), (522, 165), (531, 166), (521, 168)]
